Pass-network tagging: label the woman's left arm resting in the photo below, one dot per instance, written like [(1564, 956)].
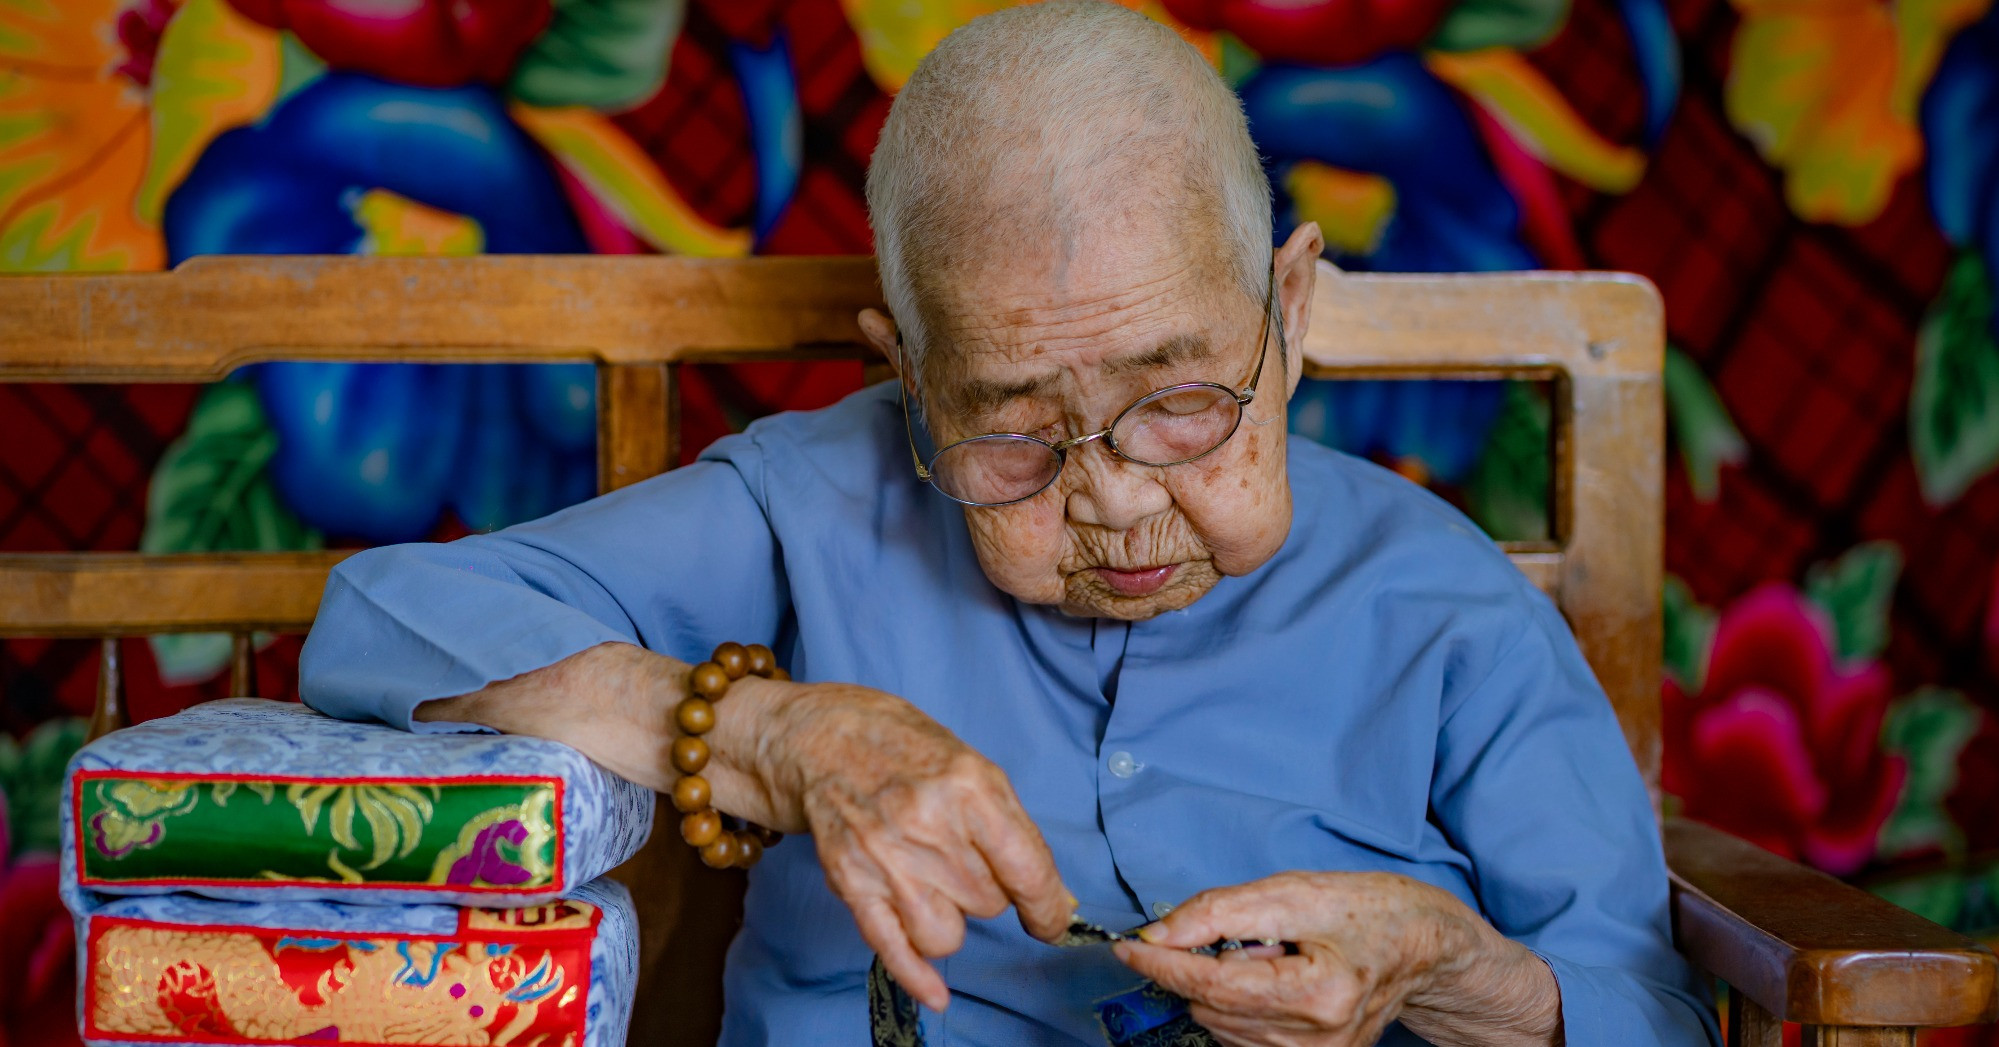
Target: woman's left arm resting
[(1371, 948)]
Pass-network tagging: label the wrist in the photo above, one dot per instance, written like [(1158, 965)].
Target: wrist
[(753, 770), (1485, 989)]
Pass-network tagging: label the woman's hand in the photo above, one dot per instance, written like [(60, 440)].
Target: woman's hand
[(1371, 948), (915, 830)]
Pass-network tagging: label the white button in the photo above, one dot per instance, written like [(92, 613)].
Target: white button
[(1160, 909), (1123, 765)]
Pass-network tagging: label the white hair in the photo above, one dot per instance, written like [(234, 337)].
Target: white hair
[(1024, 123)]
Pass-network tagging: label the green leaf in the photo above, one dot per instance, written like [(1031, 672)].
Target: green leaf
[(1474, 25), (1954, 403), (297, 66), (1855, 591), (211, 492), (1238, 61), (1938, 897), (606, 54), (1689, 630), (31, 778), (1507, 492), (1928, 728), (1705, 434)]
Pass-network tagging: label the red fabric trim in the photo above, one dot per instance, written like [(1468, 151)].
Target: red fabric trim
[(98, 925), (556, 886)]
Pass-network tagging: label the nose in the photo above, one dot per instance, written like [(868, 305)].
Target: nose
[(1109, 491)]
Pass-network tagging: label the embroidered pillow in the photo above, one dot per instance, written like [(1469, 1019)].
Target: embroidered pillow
[(258, 800), (186, 970)]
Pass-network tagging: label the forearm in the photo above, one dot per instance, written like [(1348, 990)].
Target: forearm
[(614, 703), (1496, 993)]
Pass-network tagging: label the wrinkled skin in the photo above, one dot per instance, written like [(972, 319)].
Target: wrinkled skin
[(1071, 321), (917, 832), (1369, 948)]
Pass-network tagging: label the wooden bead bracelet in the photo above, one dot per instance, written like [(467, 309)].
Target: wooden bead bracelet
[(701, 824)]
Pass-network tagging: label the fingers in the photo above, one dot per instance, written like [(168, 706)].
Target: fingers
[(882, 929), (1025, 869), (1264, 909), (1227, 985)]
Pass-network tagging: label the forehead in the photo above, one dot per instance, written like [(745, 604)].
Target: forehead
[(1113, 310)]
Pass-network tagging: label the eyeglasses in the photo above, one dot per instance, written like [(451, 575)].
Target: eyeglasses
[(1170, 426)]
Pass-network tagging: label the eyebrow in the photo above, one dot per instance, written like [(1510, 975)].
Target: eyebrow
[(981, 395), (1178, 349)]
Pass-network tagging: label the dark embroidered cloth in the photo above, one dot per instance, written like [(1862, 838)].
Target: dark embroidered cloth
[(1143, 1016)]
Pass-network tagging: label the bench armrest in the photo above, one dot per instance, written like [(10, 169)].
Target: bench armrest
[(1811, 949)]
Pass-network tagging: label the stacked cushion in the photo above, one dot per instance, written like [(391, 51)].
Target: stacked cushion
[(252, 872)]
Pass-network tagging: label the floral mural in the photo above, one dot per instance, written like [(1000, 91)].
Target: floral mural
[(1814, 186)]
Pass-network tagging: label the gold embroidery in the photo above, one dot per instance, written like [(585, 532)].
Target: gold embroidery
[(236, 986)]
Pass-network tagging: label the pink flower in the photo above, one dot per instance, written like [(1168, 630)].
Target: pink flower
[(1782, 744)]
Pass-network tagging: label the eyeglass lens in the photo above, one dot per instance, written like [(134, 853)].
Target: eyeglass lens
[(1166, 428)]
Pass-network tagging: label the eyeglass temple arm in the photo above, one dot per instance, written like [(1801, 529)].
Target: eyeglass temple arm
[(908, 427), (1270, 305)]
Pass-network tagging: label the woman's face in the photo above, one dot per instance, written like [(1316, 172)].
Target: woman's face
[(1057, 350)]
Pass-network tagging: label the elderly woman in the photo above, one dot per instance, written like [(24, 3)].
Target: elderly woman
[(1112, 645)]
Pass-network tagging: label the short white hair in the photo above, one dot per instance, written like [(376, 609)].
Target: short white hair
[(1023, 121)]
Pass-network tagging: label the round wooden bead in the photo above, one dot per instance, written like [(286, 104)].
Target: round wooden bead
[(762, 661), (777, 673), (719, 853), (708, 680), (702, 828), (690, 754), (695, 715), (748, 849), (734, 659), (691, 794), (767, 836)]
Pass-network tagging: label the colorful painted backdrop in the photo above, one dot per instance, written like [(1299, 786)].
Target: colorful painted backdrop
[(1813, 184)]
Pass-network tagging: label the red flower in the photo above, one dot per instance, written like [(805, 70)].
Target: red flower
[(429, 43), (1782, 744)]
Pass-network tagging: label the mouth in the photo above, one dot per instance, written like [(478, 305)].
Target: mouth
[(1142, 582)]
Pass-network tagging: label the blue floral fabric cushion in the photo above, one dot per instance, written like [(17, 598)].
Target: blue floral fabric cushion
[(258, 800), (186, 970)]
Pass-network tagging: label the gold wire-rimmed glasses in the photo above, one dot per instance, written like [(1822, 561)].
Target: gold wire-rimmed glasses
[(1170, 426)]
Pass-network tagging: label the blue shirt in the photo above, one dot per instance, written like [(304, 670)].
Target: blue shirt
[(1387, 693)]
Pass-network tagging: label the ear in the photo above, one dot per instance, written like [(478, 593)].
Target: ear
[(880, 330), (1297, 267)]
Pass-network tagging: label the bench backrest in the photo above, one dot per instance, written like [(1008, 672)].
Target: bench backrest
[(1597, 338)]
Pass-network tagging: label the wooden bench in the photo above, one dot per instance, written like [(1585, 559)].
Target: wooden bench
[(1794, 945)]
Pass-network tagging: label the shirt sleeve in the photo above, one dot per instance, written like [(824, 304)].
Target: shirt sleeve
[(677, 564), (1535, 783)]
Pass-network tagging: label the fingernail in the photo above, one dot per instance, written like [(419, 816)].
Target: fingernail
[(1075, 903), (1152, 932)]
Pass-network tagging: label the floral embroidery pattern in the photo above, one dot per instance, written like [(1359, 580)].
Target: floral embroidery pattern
[(492, 833), (516, 981)]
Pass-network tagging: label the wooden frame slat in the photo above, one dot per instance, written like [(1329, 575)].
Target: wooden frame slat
[(215, 314), (136, 594)]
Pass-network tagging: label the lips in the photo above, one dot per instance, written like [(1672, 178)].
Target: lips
[(1142, 582)]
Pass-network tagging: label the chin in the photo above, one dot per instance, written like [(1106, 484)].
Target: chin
[(1087, 596)]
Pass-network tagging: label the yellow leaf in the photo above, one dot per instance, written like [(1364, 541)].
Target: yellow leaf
[(214, 70), (307, 800), (397, 225), (1827, 92), (340, 818), (382, 827), (1520, 97), (1351, 207), (621, 175)]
